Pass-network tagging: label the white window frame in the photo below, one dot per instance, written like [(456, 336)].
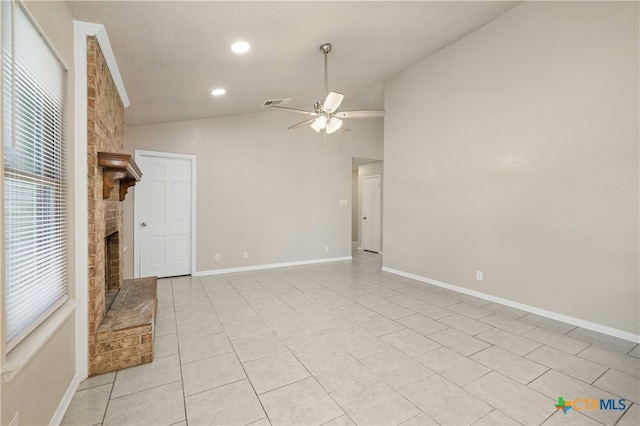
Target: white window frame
[(22, 349)]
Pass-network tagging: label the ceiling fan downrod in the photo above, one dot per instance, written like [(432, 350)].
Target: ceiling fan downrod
[(325, 49)]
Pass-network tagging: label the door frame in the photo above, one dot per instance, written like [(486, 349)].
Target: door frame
[(136, 229), (379, 210)]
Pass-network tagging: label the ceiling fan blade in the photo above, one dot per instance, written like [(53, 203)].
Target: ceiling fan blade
[(360, 114), (299, 111), (302, 123), (333, 101)]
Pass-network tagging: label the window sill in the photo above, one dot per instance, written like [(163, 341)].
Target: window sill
[(20, 356)]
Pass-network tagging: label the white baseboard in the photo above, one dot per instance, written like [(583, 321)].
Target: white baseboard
[(600, 328), (269, 266), (57, 417)]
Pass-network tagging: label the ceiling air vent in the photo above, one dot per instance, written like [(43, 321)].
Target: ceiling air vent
[(275, 102)]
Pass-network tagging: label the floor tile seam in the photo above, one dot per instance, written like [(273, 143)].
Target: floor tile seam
[(212, 388), (463, 331), (397, 391), (251, 384), (253, 309), (145, 389), (345, 414), (526, 355), (580, 358), (609, 349), (624, 414), (96, 386), (173, 295), (458, 352), (512, 380), (462, 388), (523, 357), (337, 402), (184, 398), (323, 387), (632, 349), (510, 317), (286, 384), (287, 349), (451, 313), (562, 350), (549, 417), (605, 390), (404, 327), (156, 356), (193, 338), (476, 318), (206, 357), (608, 366), (104, 414), (569, 331), (395, 319), (540, 375)]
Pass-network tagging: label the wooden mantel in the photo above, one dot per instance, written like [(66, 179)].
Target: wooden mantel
[(118, 167)]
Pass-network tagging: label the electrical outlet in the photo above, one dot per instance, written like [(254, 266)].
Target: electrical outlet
[(245, 254), (326, 249), (479, 275), (217, 257)]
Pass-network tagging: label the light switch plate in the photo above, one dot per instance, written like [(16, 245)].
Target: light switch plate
[(342, 202)]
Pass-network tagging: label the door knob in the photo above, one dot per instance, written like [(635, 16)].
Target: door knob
[(364, 217), (143, 224)]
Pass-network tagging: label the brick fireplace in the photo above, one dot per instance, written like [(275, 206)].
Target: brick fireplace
[(120, 312)]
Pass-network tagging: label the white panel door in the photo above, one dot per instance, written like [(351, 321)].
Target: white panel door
[(371, 214), (164, 216)]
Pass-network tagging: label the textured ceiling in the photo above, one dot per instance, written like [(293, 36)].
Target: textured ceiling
[(171, 54)]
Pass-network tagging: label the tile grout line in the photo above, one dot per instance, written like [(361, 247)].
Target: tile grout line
[(246, 375), (175, 320), (104, 415), (324, 389)]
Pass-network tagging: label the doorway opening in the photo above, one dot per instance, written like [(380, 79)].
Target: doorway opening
[(366, 234)]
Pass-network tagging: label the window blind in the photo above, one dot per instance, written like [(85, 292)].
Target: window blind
[(35, 214)]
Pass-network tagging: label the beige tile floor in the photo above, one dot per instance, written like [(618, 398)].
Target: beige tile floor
[(344, 343)]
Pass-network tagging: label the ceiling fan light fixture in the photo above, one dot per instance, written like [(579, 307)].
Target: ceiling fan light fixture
[(333, 125), (319, 123), (240, 46), (326, 111)]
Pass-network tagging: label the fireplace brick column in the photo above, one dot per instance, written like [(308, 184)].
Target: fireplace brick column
[(105, 133)]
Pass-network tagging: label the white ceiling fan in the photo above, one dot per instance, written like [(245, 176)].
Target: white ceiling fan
[(325, 116)]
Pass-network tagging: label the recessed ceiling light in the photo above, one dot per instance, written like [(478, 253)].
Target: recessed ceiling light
[(218, 92), (240, 47)]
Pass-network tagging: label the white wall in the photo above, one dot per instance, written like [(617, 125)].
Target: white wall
[(262, 188), (515, 151)]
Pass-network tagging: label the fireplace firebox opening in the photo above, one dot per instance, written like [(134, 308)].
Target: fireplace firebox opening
[(111, 269)]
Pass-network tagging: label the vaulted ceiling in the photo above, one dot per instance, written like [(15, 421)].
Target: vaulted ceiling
[(171, 54)]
